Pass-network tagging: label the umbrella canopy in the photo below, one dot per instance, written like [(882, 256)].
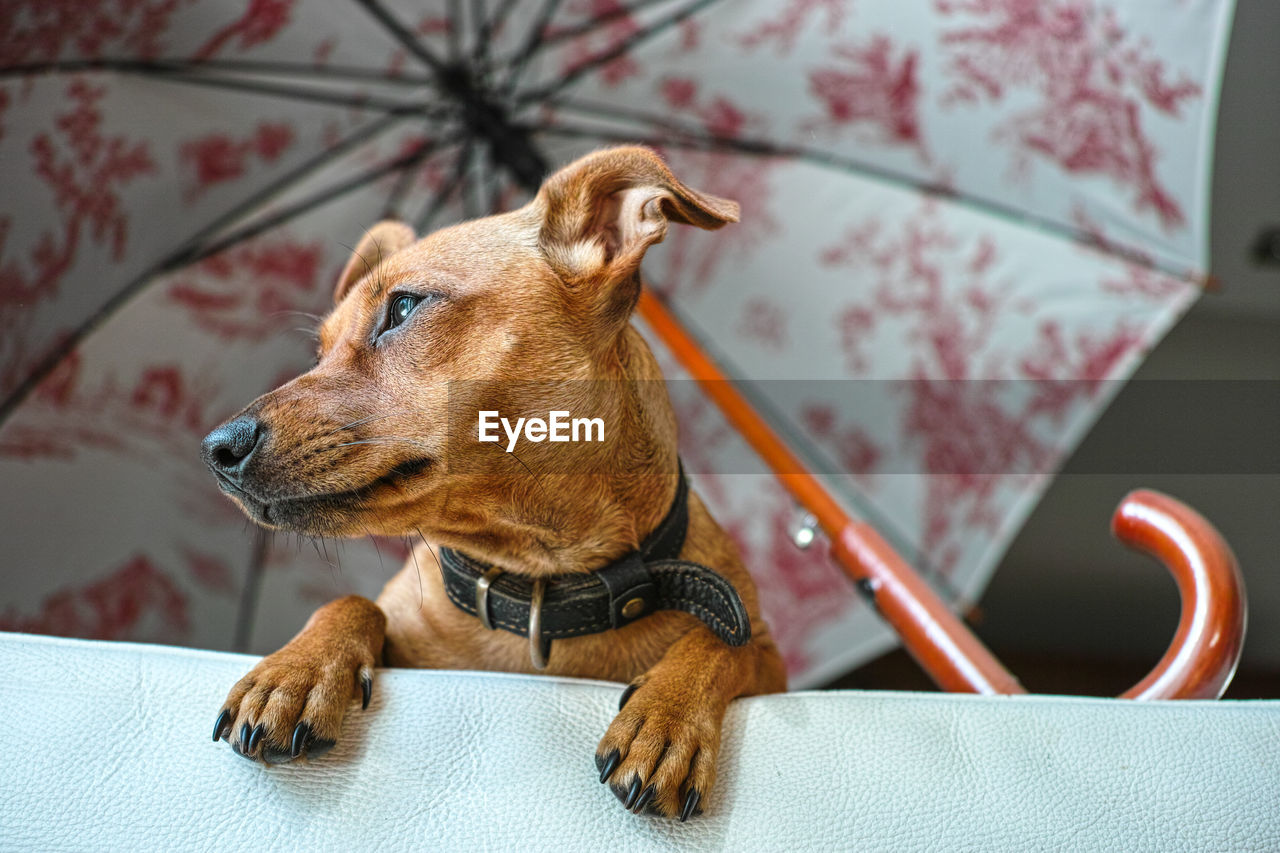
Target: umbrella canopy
[(983, 211)]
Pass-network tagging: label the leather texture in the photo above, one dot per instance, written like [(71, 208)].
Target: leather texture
[(649, 579), (583, 604), (107, 747)]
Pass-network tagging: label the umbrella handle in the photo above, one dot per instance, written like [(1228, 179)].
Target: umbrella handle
[(940, 642), (1205, 650), (1199, 662)]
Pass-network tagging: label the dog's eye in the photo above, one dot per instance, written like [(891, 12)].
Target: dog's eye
[(401, 308)]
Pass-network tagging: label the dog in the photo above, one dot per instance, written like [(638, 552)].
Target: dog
[(479, 316)]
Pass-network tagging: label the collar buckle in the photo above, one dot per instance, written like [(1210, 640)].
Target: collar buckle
[(482, 595), (539, 646)]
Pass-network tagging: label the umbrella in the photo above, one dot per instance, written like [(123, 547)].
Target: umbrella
[(964, 223)]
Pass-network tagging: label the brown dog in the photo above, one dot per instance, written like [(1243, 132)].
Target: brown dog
[(365, 443)]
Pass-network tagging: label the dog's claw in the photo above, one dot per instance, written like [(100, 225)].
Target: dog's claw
[(632, 794), (245, 731), (609, 765), (300, 734), (626, 694), (223, 724), (255, 737), (691, 800), (366, 689), (645, 796)]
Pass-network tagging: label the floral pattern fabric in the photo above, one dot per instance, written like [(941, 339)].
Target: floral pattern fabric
[(964, 222)]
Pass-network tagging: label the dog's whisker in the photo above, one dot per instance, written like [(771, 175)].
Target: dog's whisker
[(333, 568), (284, 312), (536, 480), (382, 439), (432, 552), (362, 421), (377, 549), (417, 569)]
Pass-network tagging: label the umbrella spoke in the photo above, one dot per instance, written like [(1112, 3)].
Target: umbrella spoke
[(590, 26), (437, 203), (674, 135), (473, 201), (294, 93), (178, 74), (454, 15), (494, 202), (186, 253), (489, 26), (320, 198), (605, 57), (354, 100), (402, 34), (395, 201), (532, 39), (340, 73)]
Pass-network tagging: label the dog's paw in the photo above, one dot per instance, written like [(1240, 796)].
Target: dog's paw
[(659, 754), (292, 705)]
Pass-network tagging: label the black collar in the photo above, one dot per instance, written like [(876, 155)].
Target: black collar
[(647, 580)]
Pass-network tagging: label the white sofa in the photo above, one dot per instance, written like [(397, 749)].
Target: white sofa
[(107, 746)]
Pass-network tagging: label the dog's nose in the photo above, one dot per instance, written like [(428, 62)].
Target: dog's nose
[(227, 449)]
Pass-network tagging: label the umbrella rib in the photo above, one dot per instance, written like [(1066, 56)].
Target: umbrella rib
[(184, 255), (490, 26), (454, 22), (437, 203), (689, 138), (169, 74), (533, 38), (395, 201), (473, 202), (255, 87), (319, 199), (344, 73), (590, 26), (495, 189), (391, 210), (607, 56), (402, 34)]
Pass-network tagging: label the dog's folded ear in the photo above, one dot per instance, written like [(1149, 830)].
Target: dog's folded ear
[(379, 243), (601, 213)]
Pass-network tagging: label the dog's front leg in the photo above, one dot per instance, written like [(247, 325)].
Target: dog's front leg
[(659, 753), (292, 703)]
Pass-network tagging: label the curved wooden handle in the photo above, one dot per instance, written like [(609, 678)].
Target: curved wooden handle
[(1206, 648), (1199, 662)]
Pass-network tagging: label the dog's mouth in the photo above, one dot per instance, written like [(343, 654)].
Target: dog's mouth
[(302, 512)]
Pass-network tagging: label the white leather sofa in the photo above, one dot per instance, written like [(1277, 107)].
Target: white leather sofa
[(107, 747)]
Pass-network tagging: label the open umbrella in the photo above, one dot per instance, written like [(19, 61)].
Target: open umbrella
[(964, 223)]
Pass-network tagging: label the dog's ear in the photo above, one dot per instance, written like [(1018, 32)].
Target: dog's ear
[(601, 213), (379, 243)]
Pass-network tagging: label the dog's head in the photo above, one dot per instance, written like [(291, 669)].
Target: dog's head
[(470, 317)]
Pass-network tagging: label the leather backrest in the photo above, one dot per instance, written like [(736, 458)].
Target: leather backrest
[(106, 747)]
